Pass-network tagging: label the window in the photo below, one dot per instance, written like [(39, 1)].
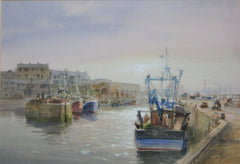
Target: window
[(43, 86), (32, 69), (127, 93), (20, 69), (26, 69), (41, 76), (41, 69)]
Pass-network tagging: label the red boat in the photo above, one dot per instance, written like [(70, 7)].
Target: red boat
[(77, 107)]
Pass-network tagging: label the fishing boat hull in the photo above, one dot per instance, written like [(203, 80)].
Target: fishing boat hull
[(157, 140), (90, 107), (77, 107)]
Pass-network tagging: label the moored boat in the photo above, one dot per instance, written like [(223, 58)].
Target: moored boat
[(161, 140), (166, 127), (77, 107), (90, 107), (158, 135)]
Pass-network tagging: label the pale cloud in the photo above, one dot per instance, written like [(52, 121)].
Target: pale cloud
[(13, 31), (48, 24), (94, 12), (126, 42), (79, 8)]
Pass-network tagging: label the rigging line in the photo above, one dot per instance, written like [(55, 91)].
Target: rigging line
[(170, 85), (154, 87)]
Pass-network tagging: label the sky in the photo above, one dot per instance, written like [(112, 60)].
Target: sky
[(123, 40)]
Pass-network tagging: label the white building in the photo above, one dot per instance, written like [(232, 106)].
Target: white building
[(69, 78)]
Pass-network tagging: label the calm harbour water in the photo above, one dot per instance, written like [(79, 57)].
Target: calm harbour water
[(105, 137)]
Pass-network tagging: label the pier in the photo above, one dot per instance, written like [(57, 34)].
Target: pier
[(217, 138), (46, 112)]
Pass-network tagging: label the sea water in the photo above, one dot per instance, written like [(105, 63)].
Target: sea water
[(104, 137)]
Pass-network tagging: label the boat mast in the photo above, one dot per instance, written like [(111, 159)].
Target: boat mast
[(205, 88), (162, 74), (167, 69)]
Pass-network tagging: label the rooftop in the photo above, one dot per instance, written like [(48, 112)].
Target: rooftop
[(21, 65)]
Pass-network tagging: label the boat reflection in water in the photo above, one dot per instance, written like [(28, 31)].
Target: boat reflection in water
[(163, 156), (86, 116), (48, 127)]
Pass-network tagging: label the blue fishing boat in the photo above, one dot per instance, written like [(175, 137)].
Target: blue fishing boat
[(164, 126), (90, 107), (157, 139)]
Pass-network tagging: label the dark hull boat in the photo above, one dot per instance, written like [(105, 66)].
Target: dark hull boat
[(165, 135), (90, 107), (160, 140)]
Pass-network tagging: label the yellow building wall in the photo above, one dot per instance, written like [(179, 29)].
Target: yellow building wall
[(116, 91), (34, 73)]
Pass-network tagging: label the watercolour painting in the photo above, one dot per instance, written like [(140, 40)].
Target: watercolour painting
[(119, 81)]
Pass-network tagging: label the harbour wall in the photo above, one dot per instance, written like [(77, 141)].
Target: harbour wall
[(204, 125), (48, 112)]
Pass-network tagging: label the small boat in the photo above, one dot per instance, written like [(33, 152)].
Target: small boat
[(204, 105), (77, 107), (124, 103), (90, 107), (77, 102), (117, 104)]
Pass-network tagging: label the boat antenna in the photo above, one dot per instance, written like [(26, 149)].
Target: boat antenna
[(205, 88), (167, 69), (166, 61)]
